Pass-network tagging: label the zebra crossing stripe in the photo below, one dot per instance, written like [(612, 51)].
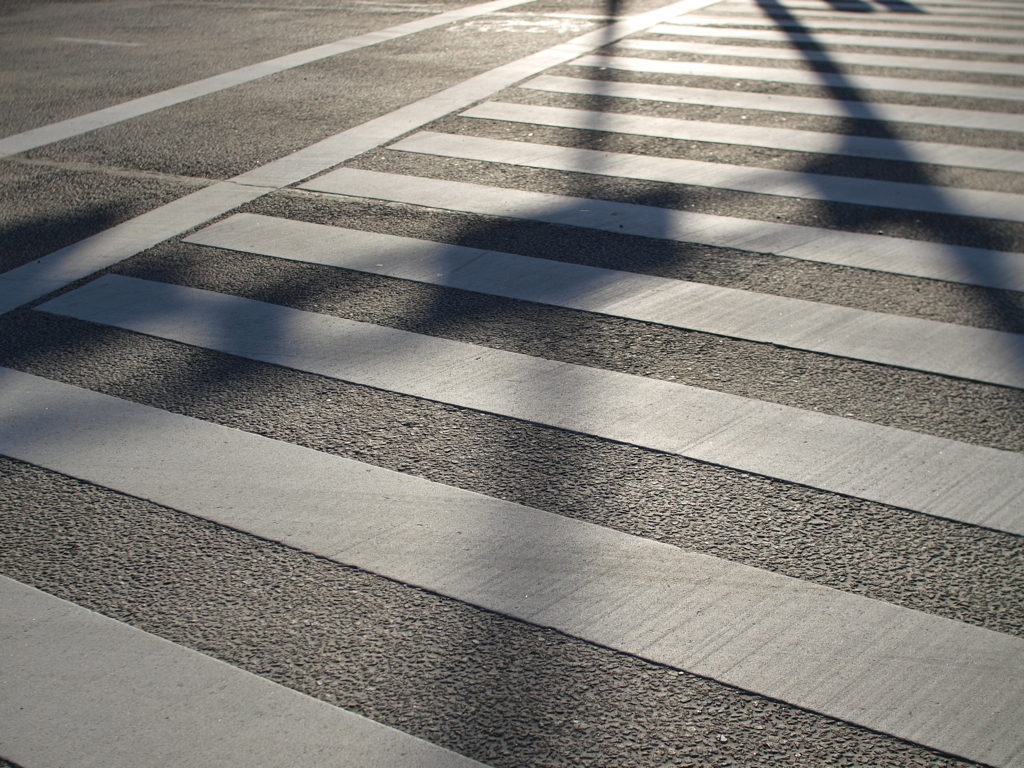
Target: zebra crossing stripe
[(830, 57), (799, 105), (755, 136), (76, 684), (898, 22), (946, 6), (937, 261), (948, 685), (807, 186), (924, 345), (867, 25), (803, 77), (967, 483), (827, 38), (947, 10)]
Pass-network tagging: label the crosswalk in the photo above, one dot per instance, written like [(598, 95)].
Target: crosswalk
[(625, 405)]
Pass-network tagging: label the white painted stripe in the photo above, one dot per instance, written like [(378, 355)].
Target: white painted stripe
[(972, 9), (38, 278), (826, 38), (966, 483), (941, 683), (952, 6), (90, 41), (856, 59), (79, 688), (937, 261), (76, 126), (896, 21), (858, 23), (32, 281), (803, 77), (800, 105), (763, 181), (755, 136), (924, 345)]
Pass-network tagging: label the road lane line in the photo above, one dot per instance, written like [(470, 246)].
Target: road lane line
[(799, 105), (948, 685), (856, 24), (803, 77), (954, 155), (76, 685), (826, 38), (90, 41), (828, 57), (967, 483), (925, 345), (936, 261), (101, 118), (36, 279), (806, 186), (896, 22)]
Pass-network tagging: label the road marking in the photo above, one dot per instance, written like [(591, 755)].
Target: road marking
[(950, 686), (825, 38), (806, 186), (925, 345), (76, 126), (803, 77), (936, 261), (754, 136), (897, 22), (860, 23), (800, 105), (940, 477), (949, 6), (36, 279), (76, 683), (793, 54), (878, 9), (89, 41)]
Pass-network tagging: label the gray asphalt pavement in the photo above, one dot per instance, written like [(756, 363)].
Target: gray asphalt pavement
[(902, 607)]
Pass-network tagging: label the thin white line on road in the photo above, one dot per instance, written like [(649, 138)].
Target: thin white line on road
[(856, 59), (763, 181), (79, 688), (966, 483), (948, 685), (50, 273), (799, 105), (897, 21), (803, 77), (825, 38), (868, 25), (76, 126), (973, 353), (947, 13), (907, 8), (89, 41), (936, 261), (966, 9), (755, 136), (36, 279)]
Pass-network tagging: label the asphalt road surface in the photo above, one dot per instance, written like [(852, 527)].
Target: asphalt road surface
[(546, 383)]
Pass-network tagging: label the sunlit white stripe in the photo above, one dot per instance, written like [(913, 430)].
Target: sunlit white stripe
[(803, 77), (800, 105)]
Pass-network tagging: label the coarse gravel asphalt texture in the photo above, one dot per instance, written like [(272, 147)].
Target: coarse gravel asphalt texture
[(498, 690)]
